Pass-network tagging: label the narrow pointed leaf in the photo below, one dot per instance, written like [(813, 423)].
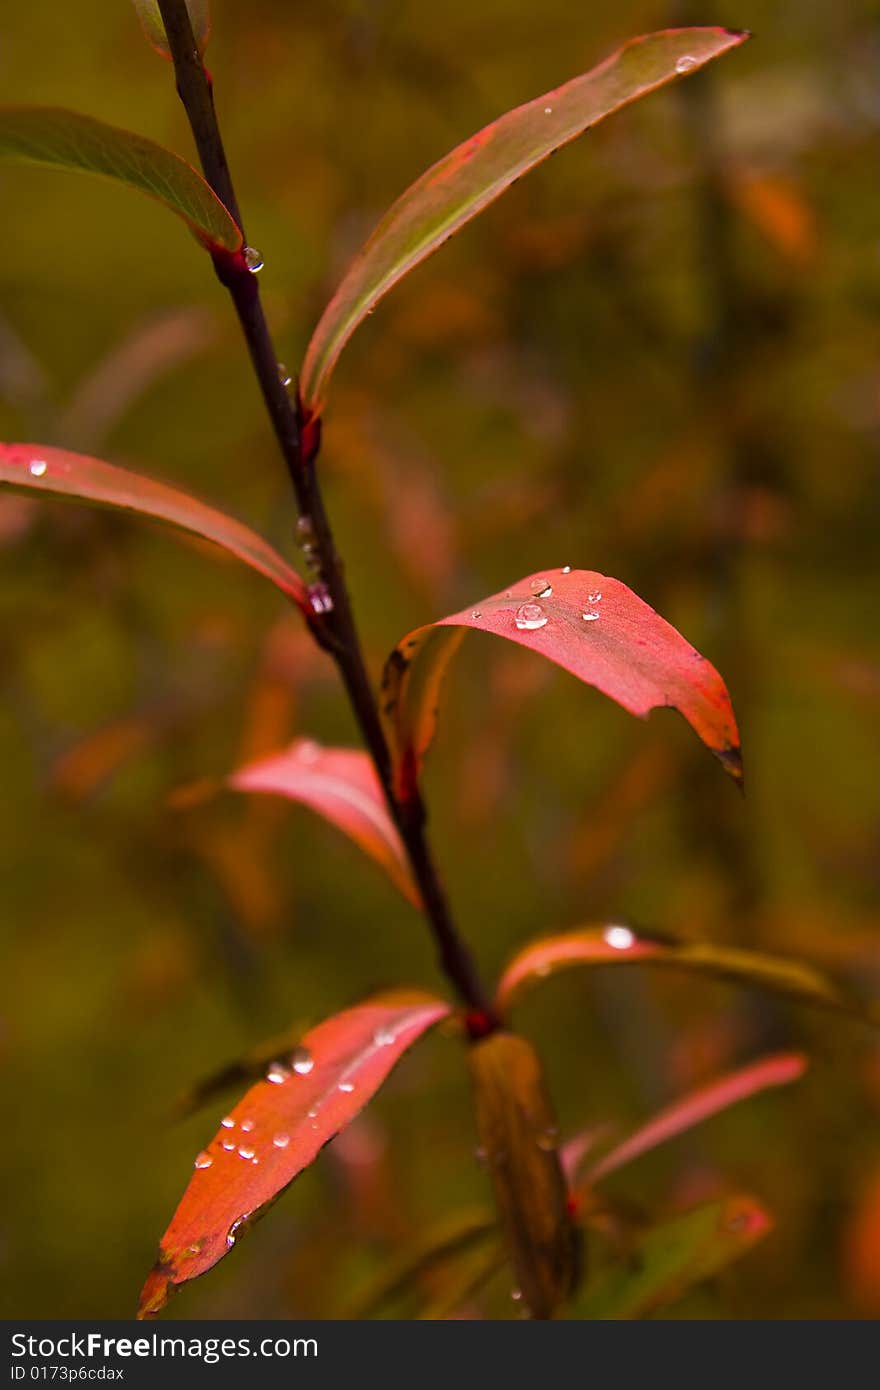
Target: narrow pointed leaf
[(62, 139), (474, 174), (619, 945), (517, 1134), (150, 16), (592, 626), (280, 1127), (700, 1105), (342, 786), (673, 1257), (37, 468)]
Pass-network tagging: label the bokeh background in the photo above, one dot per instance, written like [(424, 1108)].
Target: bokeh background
[(657, 357)]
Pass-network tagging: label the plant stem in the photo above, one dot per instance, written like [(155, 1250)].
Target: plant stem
[(332, 624)]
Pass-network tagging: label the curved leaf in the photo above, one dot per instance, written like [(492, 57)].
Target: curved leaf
[(440, 1243), (58, 473), (67, 140), (701, 1104), (342, 786), (150, 16), (592, 626), (474, 174), (673, 1257), (279, 1128), (615, 944), (518, 1137)]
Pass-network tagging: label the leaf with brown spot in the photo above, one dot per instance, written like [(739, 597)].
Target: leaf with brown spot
[(592, 626), (615, 944), (60, 474), (449, 194), (517, 1133), (279, 1128)]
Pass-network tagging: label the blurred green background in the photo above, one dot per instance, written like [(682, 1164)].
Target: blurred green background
[(657, 357)]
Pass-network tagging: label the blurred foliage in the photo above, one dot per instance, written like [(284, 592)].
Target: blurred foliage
[(657, 357)]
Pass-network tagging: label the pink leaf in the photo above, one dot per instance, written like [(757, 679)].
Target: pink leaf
[(342, 786)]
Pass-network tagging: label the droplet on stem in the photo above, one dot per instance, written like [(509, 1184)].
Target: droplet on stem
[(253, 259)]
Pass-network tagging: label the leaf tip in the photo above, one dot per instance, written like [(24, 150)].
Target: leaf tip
[(157, 1289)]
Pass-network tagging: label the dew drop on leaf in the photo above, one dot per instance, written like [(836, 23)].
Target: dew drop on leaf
[(540, 588), (281, 1141), (384, 1037), (247, 1126), (253, 259), (227, 1122), (203, 1160), (619, 938), (38, 468), (277, 1074), (245, 1152), (530, 616), (302, 1061), (566, 569), (347, 1086), (685, 63)]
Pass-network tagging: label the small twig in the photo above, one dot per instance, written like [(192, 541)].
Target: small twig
[(332, 623)]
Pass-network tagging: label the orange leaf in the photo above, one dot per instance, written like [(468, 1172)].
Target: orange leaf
[(279, 1128)]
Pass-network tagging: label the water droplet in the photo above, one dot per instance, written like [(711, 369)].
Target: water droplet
[(619, 938), (203, 1160), (686, 63), (277, 1074), (253, 259), (283, 375), (530, 616), (384, 1037), (594, 597), (235, 1230), (476, 614), (229, 1145), (38, 468), (566, 569), (255, 1161), (347, 1086), (227, 1122), (311, 1114), (308, 751), (548, 1139), (302, 1061), (548, 110), (245, 1152), (319, 598), (589, 616), (281, 1141), (540, 588), (516, 1295), (247, 1126)]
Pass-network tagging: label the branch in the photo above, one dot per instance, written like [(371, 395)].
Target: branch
[(332, 623)]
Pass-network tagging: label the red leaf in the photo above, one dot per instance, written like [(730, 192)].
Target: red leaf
[(340, 784), (455, 189), (592, 626), (700, 1105), (615, 944), (62, 474), (279, 1128)]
